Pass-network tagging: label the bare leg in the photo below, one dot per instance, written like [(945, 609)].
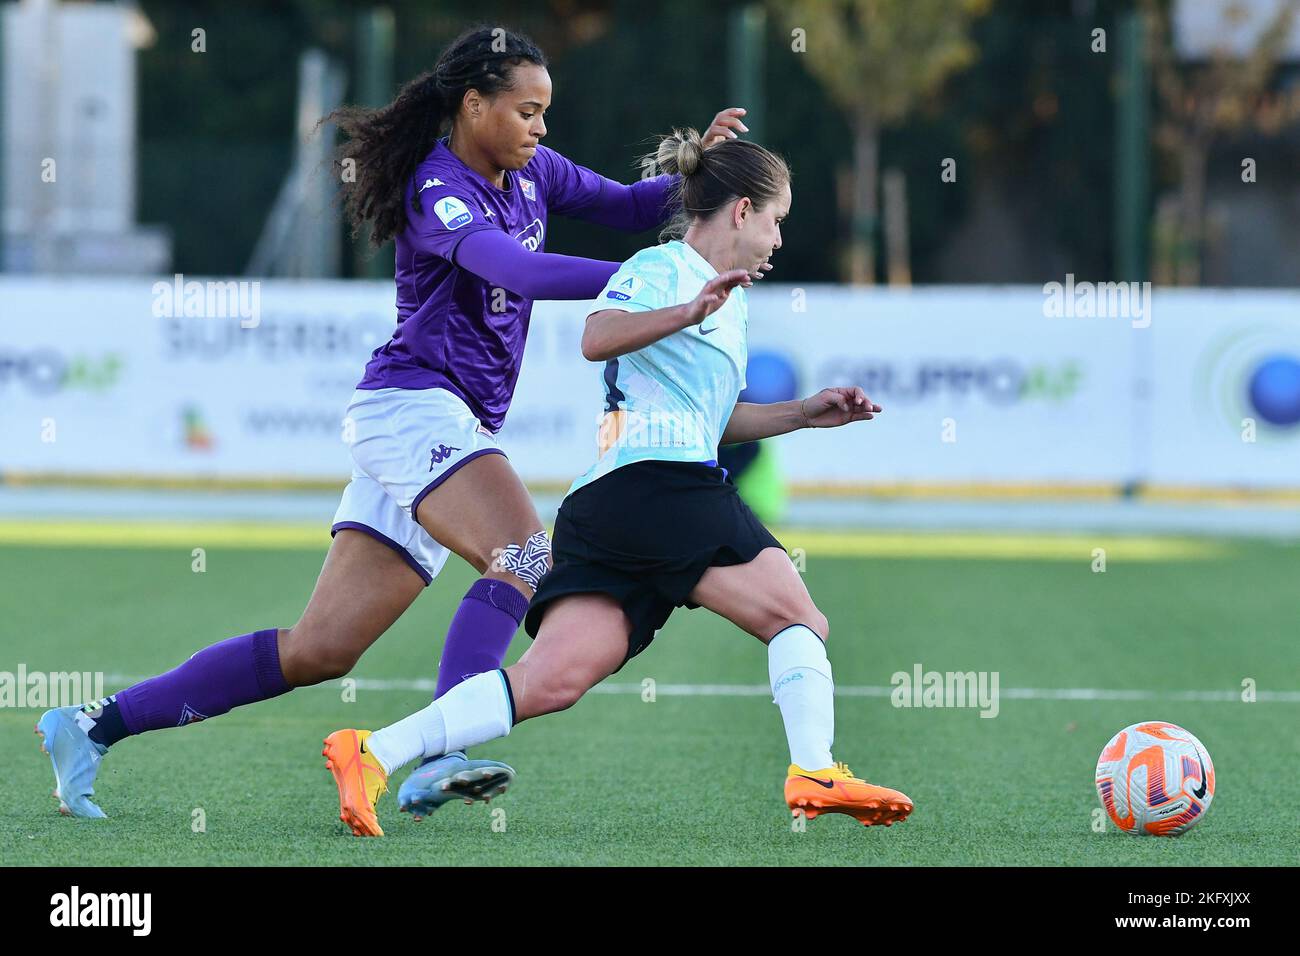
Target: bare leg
[(582, 640), (767, 598), (363, 588), (478, 511), (763, 597), (484, 514)]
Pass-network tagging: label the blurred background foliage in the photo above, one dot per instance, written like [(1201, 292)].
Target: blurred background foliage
[(1018, 99)]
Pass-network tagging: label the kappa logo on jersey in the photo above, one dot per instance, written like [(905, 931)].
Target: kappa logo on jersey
[(439, 454), (531, 235), (625, 289), (452, 212), (529, 188), (430, 182)]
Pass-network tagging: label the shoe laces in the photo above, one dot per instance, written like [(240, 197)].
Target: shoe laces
[(843, 768)]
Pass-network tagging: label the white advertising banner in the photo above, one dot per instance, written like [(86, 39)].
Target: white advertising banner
[(978, 384), (1224, 384), (92, 381)]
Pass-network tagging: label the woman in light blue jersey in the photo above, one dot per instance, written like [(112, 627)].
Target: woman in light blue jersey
[(655, 524)]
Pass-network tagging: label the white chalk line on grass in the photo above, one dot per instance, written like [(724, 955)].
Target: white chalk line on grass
[(842, 690)]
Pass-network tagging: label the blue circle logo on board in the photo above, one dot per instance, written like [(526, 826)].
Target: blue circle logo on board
[(1274, 390), (1252, 372), (769, 377)]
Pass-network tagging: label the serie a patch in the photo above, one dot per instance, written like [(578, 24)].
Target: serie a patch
[(625, 289), (452, 212)]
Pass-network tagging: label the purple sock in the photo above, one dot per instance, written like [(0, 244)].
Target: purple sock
[(241, 670), (480, 632)]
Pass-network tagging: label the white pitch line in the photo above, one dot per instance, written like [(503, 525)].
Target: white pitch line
[(762, 690)]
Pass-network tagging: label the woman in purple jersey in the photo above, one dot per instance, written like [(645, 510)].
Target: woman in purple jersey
[(468, 214)]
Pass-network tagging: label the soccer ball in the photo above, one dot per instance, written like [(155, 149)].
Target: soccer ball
[(1155, 778)]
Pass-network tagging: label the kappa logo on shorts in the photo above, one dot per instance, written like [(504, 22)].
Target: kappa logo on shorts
[(439, 454)]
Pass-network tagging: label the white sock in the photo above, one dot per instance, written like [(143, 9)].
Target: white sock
[(804, 689), (473, 712)]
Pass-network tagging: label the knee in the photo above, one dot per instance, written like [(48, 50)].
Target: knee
[(561, 695), (805, 613), (550, 695), (307, 658)]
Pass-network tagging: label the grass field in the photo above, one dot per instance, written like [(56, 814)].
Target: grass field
[(695, 776)]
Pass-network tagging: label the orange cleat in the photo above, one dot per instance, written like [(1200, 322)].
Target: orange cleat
[(836, 790), (360, 778)]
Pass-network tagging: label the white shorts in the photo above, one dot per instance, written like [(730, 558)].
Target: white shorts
[(406, 442)]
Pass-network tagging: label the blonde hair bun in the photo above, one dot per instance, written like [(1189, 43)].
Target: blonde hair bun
[(681, 152)]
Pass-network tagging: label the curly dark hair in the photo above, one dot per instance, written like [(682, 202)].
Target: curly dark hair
[(388, 143)]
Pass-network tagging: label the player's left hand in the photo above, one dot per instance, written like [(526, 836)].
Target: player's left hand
[(832, 407), (726, 125)]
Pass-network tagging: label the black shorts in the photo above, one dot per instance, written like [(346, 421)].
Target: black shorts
[(645, 534)]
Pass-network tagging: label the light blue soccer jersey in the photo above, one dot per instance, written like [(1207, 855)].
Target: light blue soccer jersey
[(671, 400)]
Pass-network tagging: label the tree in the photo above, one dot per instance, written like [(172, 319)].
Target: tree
[(876, 59), (1201, 104)]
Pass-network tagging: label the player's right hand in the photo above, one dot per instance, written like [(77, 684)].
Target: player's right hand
[(714, 294), (726, 125)]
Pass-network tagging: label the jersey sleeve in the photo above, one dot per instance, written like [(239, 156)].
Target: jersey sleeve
[(578, 192), (448, 213), (646, 282), (501, 261), (569, 188)]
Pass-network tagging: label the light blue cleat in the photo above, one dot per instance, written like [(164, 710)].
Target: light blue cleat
[(75, 758), (452, 777)]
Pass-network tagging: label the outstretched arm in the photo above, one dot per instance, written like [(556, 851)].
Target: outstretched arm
[(577, 191), (583, 194), (500, 260), (827, 409)]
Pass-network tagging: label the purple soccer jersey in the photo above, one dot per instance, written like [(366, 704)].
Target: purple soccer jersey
[(456, 330)]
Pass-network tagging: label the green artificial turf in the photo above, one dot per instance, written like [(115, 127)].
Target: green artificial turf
[(692, 777)]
